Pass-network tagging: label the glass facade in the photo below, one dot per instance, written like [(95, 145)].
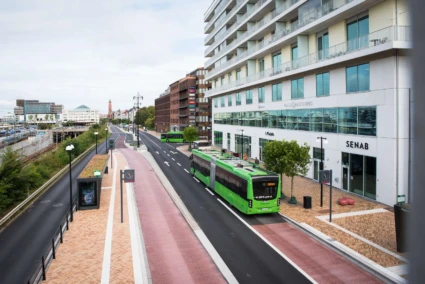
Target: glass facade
[(323, 46), (358, 78), (261, 94), (248, 98), (215, 102), (346, 120), (322, 84), (297, 89), (277, 92), (277, 62), (222, 103), (229, 100), (262, 144), (246, 142)]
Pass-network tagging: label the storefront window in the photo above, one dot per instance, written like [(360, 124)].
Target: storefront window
[(218, 139), (367, 121), (359, 174), (347, 120)]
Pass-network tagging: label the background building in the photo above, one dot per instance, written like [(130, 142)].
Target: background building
[(33, 111), (299, 70), (82, 115), (162, 112), (184, 104)]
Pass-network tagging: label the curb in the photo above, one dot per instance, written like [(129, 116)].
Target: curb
[(366, 264)]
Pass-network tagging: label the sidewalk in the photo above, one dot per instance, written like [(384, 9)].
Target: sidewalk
[(365, 231)]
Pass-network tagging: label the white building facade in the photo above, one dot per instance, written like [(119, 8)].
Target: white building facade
[(81, 115), (300, 70)]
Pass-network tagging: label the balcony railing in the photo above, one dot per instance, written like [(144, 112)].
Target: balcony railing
[(389, 34), (235, 26), (219, 10), (267, 42), (225, 19)]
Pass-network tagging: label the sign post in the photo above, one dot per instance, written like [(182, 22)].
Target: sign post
[(111, 146), (127, 176), (325, 176)]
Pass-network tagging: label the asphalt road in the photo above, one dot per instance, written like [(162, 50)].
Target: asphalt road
[(25, 240), (249, 258)]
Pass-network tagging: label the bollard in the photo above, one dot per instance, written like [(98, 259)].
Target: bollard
[(60, 227), (53, 248), (67, 226), (44, 268)]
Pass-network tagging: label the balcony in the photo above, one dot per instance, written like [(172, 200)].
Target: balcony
[(282, 35), (233, 12), (371, 43), (220, 8), (241, 21), (271, 18), (183, 106)]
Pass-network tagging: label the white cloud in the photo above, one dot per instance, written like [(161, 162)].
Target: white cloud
[(87, 52)]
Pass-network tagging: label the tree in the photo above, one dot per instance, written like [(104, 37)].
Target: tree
[(190, 134), (150, 122), (273, 157), (297, 160), (46, 117), (143, 114), (30, 117)]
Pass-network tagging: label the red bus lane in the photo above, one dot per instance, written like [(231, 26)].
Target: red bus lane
[(321, 263)]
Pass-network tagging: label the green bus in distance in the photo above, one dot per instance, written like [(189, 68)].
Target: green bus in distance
[(246, 186), (172, 137)]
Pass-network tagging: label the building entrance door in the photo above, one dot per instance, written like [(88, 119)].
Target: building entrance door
[(316, 169), (345, 171), (260, 153)]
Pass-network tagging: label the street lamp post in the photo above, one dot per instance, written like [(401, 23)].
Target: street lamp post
[(69, 148), (106, 140), (95, 135), (134, 131), (242, 143), (321, 165), (137, 104)]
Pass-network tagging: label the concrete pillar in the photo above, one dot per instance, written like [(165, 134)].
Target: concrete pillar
[(302, 42)]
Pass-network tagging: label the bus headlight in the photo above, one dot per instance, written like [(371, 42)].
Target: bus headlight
[(278, 202), (250, 203)]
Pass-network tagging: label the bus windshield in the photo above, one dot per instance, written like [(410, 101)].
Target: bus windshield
[(265, 189), (163, 135)]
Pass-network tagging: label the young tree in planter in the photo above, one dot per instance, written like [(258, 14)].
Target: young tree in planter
[(297, 159), (273, 157), (190, 134)]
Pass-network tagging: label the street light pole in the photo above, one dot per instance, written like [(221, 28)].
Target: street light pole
[(69, 148), (106, 140), (137, 104), (321, 166), (95, 134), (242, 143)]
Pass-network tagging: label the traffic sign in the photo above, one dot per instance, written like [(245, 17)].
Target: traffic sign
[(324, 176), (111, 144), (129, 175)]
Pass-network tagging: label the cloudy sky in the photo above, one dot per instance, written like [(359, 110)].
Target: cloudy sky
[(89, 51)]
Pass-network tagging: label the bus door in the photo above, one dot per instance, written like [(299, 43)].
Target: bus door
[(212, 173)]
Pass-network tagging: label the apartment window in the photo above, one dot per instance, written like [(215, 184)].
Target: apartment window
[(294, 54), (238, 74), (222, 81), (297, 89), (323, 45), (358, 33), (261, 94), (246, 70), (230, 76), (277, 92), (229, 100), (358, 78), (277, 62), (222, 101), (248, 99), (322, 84), (238, 99), (215, 102)]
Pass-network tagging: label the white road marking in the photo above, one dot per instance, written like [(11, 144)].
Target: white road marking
[(209, 191), (270, 244), (196, 179), (179, 164), (106, 265), (168, 155), (165, 162), (157, 152), (173, 159), (186, 171), (165, 151)]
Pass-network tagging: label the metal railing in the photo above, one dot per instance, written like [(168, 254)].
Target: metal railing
[(240, 22), (226, 18), (308, 18), (40, 268), (364, 42), (220, 9)]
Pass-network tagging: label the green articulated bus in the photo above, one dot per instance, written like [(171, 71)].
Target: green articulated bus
[(246, 186), (172, 137)]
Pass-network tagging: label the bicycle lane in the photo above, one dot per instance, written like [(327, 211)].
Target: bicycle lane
[(174, 253)]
